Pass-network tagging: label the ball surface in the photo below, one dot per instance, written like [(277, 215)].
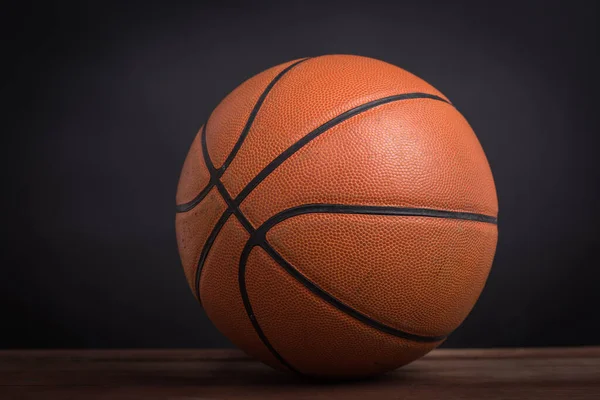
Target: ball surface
[(336, 216)]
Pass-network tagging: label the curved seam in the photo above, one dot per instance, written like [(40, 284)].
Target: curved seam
[(340, 305), (287, 153), (258, 238), (185, 207), (206, 249), (180, 208), (248, 306), (253, 115), (218, 225), (315, 289), (323, 208)]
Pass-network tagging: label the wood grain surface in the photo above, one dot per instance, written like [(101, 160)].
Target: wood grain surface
[(557, 373)]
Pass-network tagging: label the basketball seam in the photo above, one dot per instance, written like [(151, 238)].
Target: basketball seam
[(287, 153), (184, 207), (258, 238), (232, 208), (253, 114), (321, 208)]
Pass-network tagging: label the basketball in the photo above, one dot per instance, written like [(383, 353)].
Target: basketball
[(336, 217)]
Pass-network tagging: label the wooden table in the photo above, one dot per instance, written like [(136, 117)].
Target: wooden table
[(557, 373)]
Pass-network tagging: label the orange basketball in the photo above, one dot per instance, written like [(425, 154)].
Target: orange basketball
[(336, 216)]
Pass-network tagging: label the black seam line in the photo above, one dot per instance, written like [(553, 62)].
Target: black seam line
[(248, 306), (184, 207), (372, 210), (206, 248), (321, 129), (261, 242), (259, 239), (322, 294), (211, 171), (234, 208), (253, 114), (221, 221), (180, 208)]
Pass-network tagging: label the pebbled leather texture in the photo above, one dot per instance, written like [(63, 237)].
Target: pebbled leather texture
[(193, 228), (194, 174), (315, 337), (221, 296), (347, 293), (403, 271), (390, 167)]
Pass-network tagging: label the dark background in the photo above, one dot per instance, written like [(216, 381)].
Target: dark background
[(101, 101)]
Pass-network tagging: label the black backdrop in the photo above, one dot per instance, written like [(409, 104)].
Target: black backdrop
[(101, 101)]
